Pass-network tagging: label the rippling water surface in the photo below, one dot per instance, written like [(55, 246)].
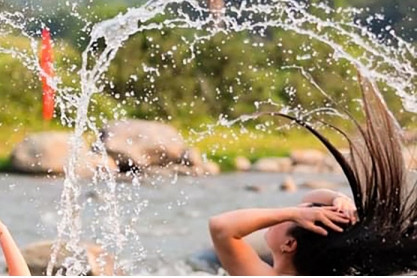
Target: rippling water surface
[(173, 222)]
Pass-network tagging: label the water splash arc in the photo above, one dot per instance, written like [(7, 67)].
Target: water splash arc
[(389, 64)]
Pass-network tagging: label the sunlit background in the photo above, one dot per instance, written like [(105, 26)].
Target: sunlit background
[(200, 69)]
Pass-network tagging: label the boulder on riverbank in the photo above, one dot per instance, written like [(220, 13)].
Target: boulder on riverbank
[(410, 136), (410, 157), (273, 164), (319, 184), (208, 168), (191, 157), (140, 143), (48, 152), (307, 157), (37, 256), (136, 145), (300, 161), (242, 163), (153, 148)]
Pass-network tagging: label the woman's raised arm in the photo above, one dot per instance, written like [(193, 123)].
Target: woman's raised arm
[(16, 264), (332, 198), (228, 229)]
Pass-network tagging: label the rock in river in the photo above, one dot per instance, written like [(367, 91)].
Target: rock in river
[(37, 256), (288, 184)]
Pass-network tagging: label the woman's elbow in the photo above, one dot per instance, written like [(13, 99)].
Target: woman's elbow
[(217, 226)]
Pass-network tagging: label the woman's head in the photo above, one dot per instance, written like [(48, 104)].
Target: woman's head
[(308, 257), (385, 240), (301, 246), (279, 239)]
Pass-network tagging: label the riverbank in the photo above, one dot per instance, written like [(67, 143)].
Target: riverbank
[(222, 146)]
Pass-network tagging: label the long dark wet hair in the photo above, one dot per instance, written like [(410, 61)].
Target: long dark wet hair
[(384, 241)]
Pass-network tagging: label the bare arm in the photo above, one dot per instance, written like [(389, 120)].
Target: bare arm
[(323, 196), (228, 229), (333, 198), (240, 223), (14, 259)]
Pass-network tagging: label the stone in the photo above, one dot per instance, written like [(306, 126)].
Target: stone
[(273, 164), (48, 152), (141, 143), (410, 136), (306, 169), (191, 157), (242, 163), (410, 162), (266, 165), (288, 184), (37, 256), (307, 157), (319, 184), (253, 188), (330, 165), (410, 157), (206, 260), (181, 170), (211, 168), (90, 162), (285, 164), (41, 153)]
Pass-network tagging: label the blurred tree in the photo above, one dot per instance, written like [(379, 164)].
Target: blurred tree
[(151, 76)]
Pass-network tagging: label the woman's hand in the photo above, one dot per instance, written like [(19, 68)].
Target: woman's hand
[(346, 205), (307, 218)]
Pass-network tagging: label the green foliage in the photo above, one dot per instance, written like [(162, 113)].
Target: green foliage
[(5, 164), (229, 75), (21, 92), (152, 77), (19, 88)]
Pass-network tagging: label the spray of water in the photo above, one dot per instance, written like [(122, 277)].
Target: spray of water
[(389, 63)]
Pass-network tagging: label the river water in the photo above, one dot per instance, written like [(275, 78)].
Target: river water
[(173, 221)]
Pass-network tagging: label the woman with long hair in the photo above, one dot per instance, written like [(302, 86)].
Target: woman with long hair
[(375, 234), (15, 262)]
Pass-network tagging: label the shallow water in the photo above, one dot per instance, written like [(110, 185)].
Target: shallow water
[(172, 226)]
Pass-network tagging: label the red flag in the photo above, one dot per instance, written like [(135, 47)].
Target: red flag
[(46, 60)]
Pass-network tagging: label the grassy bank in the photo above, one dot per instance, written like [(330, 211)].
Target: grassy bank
[(223, 145)]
